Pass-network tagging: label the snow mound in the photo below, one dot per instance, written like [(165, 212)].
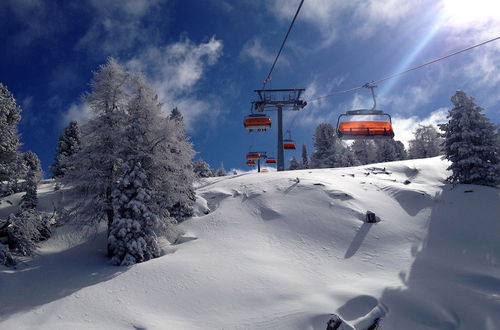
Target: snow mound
[(285, 250)]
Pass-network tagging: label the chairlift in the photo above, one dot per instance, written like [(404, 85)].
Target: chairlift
[(365, 123), (289, 144), (257, 121), (271, 160), (264, 170), (251, 162), (253, 155)]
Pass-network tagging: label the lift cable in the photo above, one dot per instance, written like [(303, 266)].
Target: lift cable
[(282, 45), (403, 72)]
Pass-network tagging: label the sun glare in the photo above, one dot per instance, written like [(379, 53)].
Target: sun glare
[(466, 12)]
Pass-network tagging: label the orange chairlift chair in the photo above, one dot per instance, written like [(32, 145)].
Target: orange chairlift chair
[(271, 161), (257, 121), (365, 123), (289, 144)]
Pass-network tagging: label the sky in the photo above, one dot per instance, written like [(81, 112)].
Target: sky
[(207, 58)]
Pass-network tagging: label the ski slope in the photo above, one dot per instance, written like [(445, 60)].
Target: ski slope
[(283, 250)]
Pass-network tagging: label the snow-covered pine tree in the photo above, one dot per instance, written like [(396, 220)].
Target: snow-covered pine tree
[(180, 155), (401, 153), (305, 158), (132, 235), (202, 169), (221, 171), (427, 142), (33, 177), (469, 143), (294, 164), (28, 226), (176, 115), (68, 145), (389, 150), (10, 114), (142, 196), (365, 151), (96, 166), (329, 149), (6, 257)]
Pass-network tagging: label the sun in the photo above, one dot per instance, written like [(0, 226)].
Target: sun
[(469, 12)]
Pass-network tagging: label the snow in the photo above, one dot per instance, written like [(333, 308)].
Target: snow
[(280, 253)]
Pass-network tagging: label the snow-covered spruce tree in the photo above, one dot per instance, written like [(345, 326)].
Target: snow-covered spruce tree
[(202, 169), (6, 257), (469, 143), (33, 177), (68, 145), (97, 165), (180, 154), (427, 142), (221, 171), (10, 114), (365, 151), (389, 150), (141, 198), (305, 158), (28, 226), (294, 164), (132, 235), (329, 149)]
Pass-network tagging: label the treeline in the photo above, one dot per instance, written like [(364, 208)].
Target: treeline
[(130, 166), (469, 140)]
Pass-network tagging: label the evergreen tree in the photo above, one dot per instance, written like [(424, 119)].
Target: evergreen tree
[(401, 153), (294, 164), (427, 142), (202, 169), (132, 237), (143, 194), (365, 151), (10, 115), (28, 226), (68, 145), (175, 114), (469, 144), (305, 157), (181, 166), (329, 149), (389, 150), (33, 177), (221, 171)]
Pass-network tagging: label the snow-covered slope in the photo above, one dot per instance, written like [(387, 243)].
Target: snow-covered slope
[(284, 250)]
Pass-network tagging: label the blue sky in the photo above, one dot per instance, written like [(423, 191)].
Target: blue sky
[(207, 57)]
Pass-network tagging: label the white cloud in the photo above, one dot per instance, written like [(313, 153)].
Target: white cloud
[(117, 25), (174, 71), (77, 111), (405, 126), (365, 17), (373, 14), (323, 14), (254, 50)]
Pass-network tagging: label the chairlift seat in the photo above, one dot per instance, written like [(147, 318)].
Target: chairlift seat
[(288, 144), (257, 121), (253, 155), (362, 125)]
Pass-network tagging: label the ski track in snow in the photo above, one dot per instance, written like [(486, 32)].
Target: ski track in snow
[(268, 251)]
